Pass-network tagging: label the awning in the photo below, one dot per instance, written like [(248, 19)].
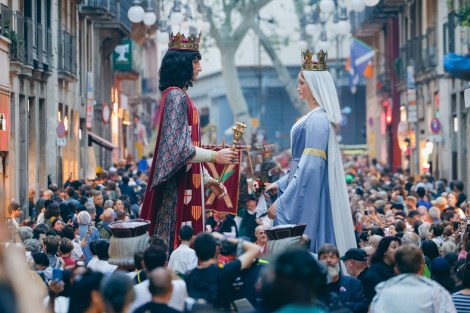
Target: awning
[(100, 141)]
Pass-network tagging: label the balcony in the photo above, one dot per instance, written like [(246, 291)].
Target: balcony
[(67, 56), (112, 14), (368, 22), (99, 8), (420, 52)]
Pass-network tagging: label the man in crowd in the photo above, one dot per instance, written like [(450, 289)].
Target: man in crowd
[(249, 221), (410, 291), (103, 226), (14, 212), (101, 263), (261, 239), (161, 288), (348, 289), (98, 201), (208, 281), (156, 256), (183, 259), (355, 261)]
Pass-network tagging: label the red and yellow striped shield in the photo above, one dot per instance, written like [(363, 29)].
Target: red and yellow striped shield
[(196, 212), (197, 181)]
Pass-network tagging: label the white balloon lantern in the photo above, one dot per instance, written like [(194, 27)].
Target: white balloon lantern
[(150, 18), (303, 45), (311, 29), (136, 12), (344, 27), (327, 6), (371, 3), (358, 5), (177, 18)]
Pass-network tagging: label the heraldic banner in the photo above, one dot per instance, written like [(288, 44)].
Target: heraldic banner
[(231, 181)]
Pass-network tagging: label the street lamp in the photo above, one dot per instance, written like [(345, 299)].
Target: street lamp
[(136, 12), (327, 6), (358, 5), (149, 17), (344, 26)]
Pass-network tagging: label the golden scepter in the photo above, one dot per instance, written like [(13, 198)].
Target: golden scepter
[(238, 131)]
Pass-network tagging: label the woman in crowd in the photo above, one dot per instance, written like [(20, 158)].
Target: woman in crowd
[(87, 233), (462, 298), (383, 261)]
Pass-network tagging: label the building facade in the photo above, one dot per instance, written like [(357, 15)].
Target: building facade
[(58, 72), (416, 113)]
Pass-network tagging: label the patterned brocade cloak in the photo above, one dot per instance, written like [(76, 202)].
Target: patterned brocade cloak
[(175, 193)]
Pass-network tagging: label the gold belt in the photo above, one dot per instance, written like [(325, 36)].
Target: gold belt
[(316, 152)]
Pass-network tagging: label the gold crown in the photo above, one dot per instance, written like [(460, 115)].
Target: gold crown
[(180, 42), (309, 65)]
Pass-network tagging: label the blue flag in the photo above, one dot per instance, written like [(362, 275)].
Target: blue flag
[(359, 60)]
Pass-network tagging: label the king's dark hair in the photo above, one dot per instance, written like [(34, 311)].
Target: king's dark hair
[(177, 69)]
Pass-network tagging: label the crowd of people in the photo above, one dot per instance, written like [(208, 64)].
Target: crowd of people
[(412, 243)]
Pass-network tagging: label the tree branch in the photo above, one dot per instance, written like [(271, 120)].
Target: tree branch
[(283, 73), (248, 12), (207, 11)]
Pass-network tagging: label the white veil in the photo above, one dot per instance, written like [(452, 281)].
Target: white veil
[(323, 90)]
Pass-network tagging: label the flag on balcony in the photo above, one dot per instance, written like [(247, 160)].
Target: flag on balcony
[(359, 63)]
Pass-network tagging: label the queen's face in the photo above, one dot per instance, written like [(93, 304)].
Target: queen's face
[(303, 90)]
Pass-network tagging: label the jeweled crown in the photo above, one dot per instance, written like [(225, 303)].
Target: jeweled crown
[(309, 65), (181, 42)]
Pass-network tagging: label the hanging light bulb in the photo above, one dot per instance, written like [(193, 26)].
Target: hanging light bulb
[(371, 3), (176, 18), (344, 26), (358, 5), (149, 17), (323, 43), (311, 29), (136, 12), (327, 6)]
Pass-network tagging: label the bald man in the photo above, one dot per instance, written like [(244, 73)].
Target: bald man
[(160, 287), (261, 238)]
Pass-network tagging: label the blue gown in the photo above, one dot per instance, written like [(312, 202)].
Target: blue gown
[(304, 196)]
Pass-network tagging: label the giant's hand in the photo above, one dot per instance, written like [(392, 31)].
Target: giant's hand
[(218, 189), (226, 156), (271, 189), (272, 211)]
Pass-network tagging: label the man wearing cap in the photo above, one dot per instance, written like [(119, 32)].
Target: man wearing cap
[(355, 261), (249, 221), (348, 289)]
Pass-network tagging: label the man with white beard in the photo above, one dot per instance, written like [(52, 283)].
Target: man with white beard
[(348, 289)]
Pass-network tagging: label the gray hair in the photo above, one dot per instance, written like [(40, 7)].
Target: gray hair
[(434, 212), (32, 245), (25, 233), (108, 214), (108, 204), (448, 246), (410, 238), (423, 231), (84, 218), (90, 208)]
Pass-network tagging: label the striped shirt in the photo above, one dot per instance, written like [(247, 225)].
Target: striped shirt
[(461, 302)]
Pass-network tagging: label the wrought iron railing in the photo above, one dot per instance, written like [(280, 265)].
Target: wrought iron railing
[(39, 44), (28, 39), (67, 54), (97, 7), (420, 52), (5, 21), (49, 48)]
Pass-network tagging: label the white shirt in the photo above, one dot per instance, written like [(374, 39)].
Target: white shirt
[(77, 251), (411, 293), (101, 266), (143, 295), (183, 259)]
